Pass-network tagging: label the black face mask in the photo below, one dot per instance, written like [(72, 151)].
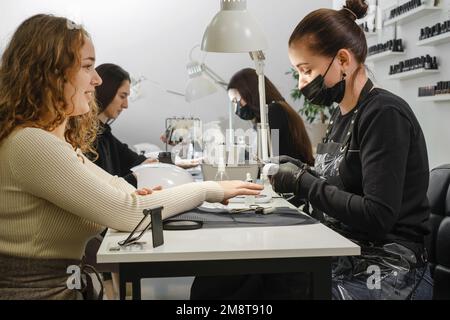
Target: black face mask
[(245, 113), (317, 93)]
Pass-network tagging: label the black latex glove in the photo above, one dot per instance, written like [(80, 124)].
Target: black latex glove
[(298, 163), (286, 180), (286, 159)]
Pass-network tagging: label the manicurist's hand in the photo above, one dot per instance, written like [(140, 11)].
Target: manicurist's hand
[(286, 159)]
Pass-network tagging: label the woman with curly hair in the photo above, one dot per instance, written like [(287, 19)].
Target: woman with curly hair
[(52, 198)]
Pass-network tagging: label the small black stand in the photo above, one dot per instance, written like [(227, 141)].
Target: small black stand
[(157, 226)]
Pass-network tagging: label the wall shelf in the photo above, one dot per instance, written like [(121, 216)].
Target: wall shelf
[(436, 98), (412, 15), (384, 55), (412, 74), (442, 38), (370, 34)]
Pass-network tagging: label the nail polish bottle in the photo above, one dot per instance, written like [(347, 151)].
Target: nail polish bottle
[(428, 62), (400, 45), (440, 87), (434, 65)]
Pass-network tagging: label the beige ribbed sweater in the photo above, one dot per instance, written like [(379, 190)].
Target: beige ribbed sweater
[(51, 203)]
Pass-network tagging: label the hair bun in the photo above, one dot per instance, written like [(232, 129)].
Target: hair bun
[(357, 9)]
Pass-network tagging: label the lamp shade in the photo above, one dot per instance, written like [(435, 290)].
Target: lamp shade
[(165, 175), (233, 29), (199, 87)]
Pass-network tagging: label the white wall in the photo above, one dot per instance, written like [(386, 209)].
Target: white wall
[(433, 117), (153, 38)]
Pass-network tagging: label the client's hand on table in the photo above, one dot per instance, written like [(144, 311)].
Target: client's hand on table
[(146, 191), (188, 163), (237, 188)]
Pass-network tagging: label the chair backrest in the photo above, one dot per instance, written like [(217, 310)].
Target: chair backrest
[(438, 242)]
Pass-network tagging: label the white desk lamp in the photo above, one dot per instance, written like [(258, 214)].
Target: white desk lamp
[(233, 30)]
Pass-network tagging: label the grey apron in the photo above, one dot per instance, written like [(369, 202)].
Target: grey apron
[(44, 279), (386, 270)]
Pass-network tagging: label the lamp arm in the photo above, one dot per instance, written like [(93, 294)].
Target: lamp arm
[(258, 57), (215, 77), (175, 93), (157, 84)]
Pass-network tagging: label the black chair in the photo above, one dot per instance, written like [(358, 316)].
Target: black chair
[(438, 242)]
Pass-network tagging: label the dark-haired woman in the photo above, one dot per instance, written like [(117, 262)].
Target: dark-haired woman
[(373, 165), (114, 156), (293, 138)]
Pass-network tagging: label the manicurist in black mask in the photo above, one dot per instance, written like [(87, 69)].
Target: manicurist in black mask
[(292, 139), (370, 177), (318, 93)]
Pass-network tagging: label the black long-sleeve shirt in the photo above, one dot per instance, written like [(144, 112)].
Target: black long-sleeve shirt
[(385, 174), (116, 157), (278, 119)]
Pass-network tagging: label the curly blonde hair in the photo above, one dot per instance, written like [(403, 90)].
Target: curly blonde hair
[(43, 55)]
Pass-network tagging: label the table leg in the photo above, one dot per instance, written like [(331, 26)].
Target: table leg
[(136, 289), (322, 280), (122, 284)]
